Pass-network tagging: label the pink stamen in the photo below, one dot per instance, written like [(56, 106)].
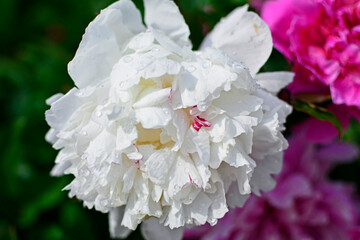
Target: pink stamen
[(169, 97), (200, 122)]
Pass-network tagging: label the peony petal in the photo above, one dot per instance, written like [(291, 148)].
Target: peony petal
[(202, 144), (274, 81), (102, 42), (115, 218), (153, 117), (164, 16), (153, 98), (244, 36), (151, 229), (62, 109), (158, 165)]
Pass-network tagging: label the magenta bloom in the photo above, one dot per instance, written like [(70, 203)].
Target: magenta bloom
[(257, 4), (304, 205), (322, 39)]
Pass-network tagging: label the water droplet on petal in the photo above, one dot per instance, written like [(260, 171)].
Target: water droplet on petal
[(99, 114), (212, 221), (156, 49), (191, 69), (84, 156), (206, 64), (104, 202), (84, 133), (121, 84), (233, 76), (237, 66), (128, 59)]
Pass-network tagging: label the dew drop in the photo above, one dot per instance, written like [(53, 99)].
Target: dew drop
[(121, 84), (99, 114), (128, 59), (156, 49), (237, 66), (212, 221), (206, 65), (84, 133), (104, 202), (233, 76), (191, 69), (84, 156)]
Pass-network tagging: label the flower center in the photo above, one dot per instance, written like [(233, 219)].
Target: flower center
[(155, 137)]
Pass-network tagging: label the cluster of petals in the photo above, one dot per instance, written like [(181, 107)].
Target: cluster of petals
[(158, 134), (304, 204), (322, 39)]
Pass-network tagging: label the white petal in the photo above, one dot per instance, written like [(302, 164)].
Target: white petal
[(274, 81), (54, 98), (153, 98), (244, 36), (62, 109), (158, 165), (234, 198), (202, 145), (164, 16), (199, 208), (102, 42), (153, 117), (262, 179), (142, 41), (151, 229), (115, 218)]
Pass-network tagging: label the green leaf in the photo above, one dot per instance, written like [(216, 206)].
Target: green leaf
[(319, 113)]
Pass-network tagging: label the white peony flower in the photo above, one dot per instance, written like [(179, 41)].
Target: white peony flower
[(157, 133)]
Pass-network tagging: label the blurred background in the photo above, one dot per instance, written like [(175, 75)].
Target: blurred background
[(38, 39)]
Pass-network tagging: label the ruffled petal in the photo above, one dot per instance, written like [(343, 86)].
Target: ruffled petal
[(103, 41), (115, 218), (244, 36), (274, 81), (164, 16)]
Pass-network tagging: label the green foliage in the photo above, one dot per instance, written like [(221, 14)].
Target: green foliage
[(319, 113)]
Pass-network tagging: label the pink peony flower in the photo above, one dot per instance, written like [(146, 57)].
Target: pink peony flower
[(304, 205), (257, 4), (322, 39)]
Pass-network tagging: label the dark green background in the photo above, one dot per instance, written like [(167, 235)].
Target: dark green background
[(37, 40)]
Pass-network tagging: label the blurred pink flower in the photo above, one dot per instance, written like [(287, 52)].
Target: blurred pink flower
[(257, 4), (304, 205), (322, 39)]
